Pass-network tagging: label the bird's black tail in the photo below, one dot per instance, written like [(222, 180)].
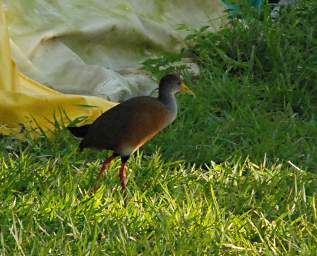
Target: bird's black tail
[(79, 132)]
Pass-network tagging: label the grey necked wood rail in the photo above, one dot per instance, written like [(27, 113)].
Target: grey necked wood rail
[(127, 126)]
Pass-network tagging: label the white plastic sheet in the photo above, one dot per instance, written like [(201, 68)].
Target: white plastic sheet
[(95, 47)]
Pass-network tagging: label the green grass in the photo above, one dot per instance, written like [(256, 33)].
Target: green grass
[(233, 208), (234, 175), (256, 93)]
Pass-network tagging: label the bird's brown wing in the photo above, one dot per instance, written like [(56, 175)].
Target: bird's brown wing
[(128, 125)]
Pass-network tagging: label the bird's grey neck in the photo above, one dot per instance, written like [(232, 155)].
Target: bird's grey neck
[(169, 100)]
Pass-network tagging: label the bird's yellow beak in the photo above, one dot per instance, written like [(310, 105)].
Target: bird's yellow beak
[(185, 89)]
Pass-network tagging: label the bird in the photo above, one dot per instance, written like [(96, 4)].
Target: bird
[(127, 126)]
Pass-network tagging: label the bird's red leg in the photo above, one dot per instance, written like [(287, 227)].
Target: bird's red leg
[(122, 173), (123, 177), (104, 166)]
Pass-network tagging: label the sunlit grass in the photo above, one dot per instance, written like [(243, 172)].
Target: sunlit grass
[(236, 207)]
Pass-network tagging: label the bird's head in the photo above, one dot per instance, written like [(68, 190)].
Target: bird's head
[(172, 83)]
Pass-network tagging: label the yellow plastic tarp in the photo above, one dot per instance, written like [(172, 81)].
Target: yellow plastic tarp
[(29, 104)]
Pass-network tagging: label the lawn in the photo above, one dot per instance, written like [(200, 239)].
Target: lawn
[(235, 174)]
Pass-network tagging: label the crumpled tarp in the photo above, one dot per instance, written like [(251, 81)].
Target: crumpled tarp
[(25, 103), (84, 48), (95, 47)]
